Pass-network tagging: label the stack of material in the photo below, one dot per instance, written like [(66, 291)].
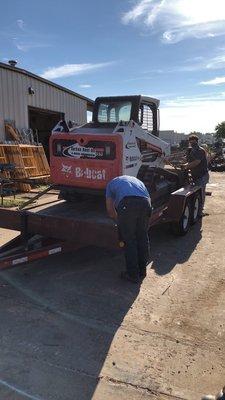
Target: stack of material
[(30, 163), (3, 160), (41, 161), (14, 156), (28, 157), (12, 132)]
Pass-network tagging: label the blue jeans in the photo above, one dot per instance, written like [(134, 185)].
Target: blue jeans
[(202, 182), (133, 222)]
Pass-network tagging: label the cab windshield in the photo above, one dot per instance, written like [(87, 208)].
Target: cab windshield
[(114, 111)]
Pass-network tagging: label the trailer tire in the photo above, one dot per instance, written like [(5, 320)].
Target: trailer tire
[(196, 208), (181, 227)]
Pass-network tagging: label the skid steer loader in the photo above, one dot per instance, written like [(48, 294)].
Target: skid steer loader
[(122, 139)]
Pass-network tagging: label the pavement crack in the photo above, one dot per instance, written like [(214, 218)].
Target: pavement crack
[(154, 392), (159, 335)]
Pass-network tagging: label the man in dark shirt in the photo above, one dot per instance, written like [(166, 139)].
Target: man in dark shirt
[(197, 163), (128, 202)]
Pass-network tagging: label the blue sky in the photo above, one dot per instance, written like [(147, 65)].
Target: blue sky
[(170, 49)]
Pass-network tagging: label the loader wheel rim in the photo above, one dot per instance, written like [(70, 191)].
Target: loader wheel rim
[(196, 208), (186, 216)]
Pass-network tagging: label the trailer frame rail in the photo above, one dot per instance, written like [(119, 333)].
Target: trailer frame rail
[(17, 251)]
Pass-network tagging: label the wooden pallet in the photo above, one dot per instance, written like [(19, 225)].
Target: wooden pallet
[(3, 160), (40, 161), (14, 156), (30, 161)]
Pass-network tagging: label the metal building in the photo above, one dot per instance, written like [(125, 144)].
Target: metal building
[(172, 137), (30, 101)]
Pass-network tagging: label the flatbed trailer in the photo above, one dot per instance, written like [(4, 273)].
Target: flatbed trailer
[(61, 226), (56, 227)]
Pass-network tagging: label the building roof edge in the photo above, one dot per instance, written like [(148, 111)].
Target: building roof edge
[(90, 102)]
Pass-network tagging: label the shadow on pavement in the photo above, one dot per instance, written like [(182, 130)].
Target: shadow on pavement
[(168, 250), (58, 320), (59, 317)]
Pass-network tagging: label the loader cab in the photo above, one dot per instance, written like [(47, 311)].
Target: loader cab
[(109, 111)]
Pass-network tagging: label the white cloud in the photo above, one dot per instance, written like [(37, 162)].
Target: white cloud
[(179, 19), (159, 95), (199, 31), (28, 46), (182, 101), (72, 69), (216, 62), (195, 64), (137, 12), (193, 114), (21, 24), (26, 39), (215, 81), (85, 86)]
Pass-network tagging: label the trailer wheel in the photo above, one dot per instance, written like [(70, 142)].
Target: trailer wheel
[(181, 227), (196, 208)]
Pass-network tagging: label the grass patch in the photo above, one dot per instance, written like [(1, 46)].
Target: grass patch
[(40, 188), (8, 203)]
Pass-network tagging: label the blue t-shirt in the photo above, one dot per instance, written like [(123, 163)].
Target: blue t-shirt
[(123, 186)]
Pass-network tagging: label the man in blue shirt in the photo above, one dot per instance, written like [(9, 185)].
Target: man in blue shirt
[(128, 202)]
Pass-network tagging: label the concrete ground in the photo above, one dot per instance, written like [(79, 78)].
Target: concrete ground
[(71, 330)]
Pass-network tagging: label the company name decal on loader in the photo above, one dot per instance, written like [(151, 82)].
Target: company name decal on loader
[(89, 173), (132, 158), (77, 151)]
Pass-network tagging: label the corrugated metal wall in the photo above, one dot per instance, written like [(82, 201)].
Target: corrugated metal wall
[(15, 99)]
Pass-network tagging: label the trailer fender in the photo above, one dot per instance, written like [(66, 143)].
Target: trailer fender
[(178, 200)]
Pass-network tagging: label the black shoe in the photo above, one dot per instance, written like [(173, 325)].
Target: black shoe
[(203, 214), (142, 274), (125, 276)]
